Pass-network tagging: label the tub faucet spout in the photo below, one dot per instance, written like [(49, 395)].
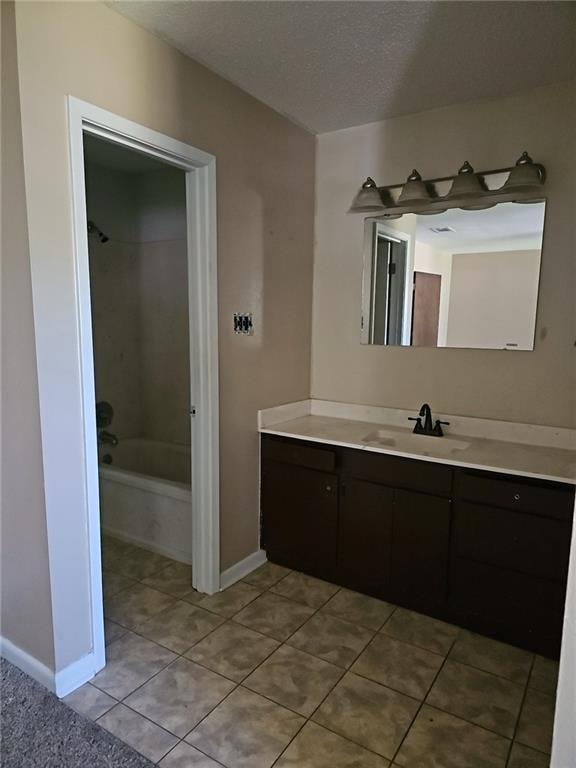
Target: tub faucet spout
[(107, 437)]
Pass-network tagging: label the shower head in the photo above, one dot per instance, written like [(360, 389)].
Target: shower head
[(94, 230)]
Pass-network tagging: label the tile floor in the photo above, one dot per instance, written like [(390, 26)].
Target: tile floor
[(284, 670)]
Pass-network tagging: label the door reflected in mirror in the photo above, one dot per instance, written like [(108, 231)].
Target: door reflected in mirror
[(466, 279)]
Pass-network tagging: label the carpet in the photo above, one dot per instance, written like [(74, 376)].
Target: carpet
[(40, 731)]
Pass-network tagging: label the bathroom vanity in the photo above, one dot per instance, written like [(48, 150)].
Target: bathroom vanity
[(487, 550)]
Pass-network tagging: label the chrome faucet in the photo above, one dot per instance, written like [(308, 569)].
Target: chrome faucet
[(107, 437), (427, 428)]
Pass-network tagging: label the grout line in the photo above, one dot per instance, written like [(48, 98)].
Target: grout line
[(517, 723)]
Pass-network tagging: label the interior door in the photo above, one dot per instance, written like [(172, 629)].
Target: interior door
[(426, 309)]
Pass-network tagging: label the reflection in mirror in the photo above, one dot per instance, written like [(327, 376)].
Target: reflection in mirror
[(457, 279)]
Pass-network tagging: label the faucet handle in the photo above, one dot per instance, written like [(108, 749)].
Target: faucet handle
[(438, 427), (418, 426)]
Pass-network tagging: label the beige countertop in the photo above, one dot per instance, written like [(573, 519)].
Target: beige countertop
[(541, 462)]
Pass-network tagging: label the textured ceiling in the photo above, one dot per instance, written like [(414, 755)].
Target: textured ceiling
[(330, 65)]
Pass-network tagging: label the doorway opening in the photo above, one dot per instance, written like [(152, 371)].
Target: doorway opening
[(145, 262)]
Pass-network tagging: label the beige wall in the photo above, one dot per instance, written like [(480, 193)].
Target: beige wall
[(493, 299), (26, 618), (536, 386), (265, 177)]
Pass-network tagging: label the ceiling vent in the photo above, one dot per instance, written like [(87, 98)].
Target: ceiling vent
[(439, 230)]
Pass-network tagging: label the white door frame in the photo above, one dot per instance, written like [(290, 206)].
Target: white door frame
[(200, 169)]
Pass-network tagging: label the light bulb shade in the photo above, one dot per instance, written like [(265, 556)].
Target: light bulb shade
[(368, 198), (466, 185), (414, 191), (525, 175)]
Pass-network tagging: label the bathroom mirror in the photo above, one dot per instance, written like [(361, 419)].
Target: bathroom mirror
[(461, 278)]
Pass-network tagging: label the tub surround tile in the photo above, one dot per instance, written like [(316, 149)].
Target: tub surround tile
[(233, 650), (525, 757), (479, 697), (315, 747), (113, 631), (331, 639), (423, 631), (130, 662), (180, 696), (544, 675), (185, 756), (398, 665), (359, 609), (246, 731), (368, 714), (294, 679), (274, 615), (536, 721), (149, 739), (439, 739), (89, 701), (175, 579), (492, 656), (228, 602), (266, 575), (305, 589), (180, 626)]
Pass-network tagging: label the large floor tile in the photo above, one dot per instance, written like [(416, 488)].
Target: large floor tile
[(267, 575), (130, 662), (139, 563), (229, 601), (180, 626), (136, 605), (492, 656), (544, 675), (112, 583), (147, 738), (480, 697), (420, 630), (180, 696), (315, 747), (536, 721), (114, 548), (175, 579), (274, 615), (89, 701), (331, 639), (233, 650), (246, 731), (294, 679), (185, 756), (368, 714), (525, 757), (359, 609), (305, 589), (440, 740), (398, 665), (113, 631)]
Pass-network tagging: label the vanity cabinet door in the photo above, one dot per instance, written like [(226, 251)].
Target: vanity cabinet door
[(365, 536), (420, 546), (299, 517)]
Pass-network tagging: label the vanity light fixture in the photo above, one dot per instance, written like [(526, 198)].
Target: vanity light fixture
[(469, 191)]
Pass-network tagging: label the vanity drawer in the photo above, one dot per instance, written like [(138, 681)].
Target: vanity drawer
[(397, 472), (299, 453), (524, 495), (515, 540)]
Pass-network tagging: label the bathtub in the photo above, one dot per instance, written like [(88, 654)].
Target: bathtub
[(145, 495)]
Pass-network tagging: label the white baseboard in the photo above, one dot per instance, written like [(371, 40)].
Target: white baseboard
[(27, 663), (243, 568), (174, 554), (61, 683)]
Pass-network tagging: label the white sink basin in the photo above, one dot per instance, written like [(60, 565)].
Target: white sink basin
[(409, 442)]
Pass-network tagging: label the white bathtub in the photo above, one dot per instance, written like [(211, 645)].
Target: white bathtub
[(145, 495)]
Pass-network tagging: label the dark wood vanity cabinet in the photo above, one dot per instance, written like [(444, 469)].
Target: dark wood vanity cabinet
[(485, 551)]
